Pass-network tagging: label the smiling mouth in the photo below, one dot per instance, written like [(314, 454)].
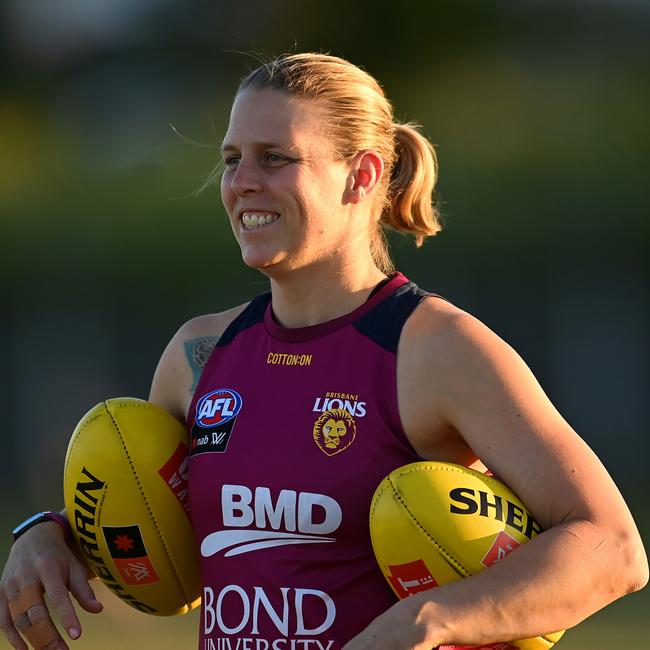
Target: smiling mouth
[(255, 220)]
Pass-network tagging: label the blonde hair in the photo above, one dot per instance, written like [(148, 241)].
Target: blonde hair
[(358, 117)]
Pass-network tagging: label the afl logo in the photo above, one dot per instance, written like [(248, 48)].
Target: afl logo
[(218, 407)]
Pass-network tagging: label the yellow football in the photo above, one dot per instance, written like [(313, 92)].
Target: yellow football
[(432, 523), (125, 491)]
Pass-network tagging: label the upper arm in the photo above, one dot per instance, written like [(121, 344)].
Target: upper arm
[(465, 375), (183, 360)]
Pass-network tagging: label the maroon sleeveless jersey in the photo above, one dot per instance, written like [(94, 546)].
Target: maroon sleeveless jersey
[(292, 431)]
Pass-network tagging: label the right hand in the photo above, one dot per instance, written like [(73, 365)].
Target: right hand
[(40, 562)]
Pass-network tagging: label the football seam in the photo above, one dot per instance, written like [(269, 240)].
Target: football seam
[(457, 469), (142, 494), (73, 443), (441, 549)]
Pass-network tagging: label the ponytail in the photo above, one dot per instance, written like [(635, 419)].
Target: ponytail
[(410, 206)]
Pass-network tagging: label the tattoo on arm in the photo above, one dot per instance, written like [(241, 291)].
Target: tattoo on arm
[(198, 352)]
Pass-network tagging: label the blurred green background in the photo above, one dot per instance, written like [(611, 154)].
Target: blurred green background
[(111, 113)]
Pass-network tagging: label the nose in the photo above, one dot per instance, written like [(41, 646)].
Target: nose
[(246, 178)]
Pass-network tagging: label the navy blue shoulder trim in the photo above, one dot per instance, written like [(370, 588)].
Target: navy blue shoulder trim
[(383, 324), (252, 314)]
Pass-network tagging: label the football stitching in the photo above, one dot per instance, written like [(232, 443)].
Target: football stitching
[(73, 442), (443, 551), (459, 469), (137, 480)]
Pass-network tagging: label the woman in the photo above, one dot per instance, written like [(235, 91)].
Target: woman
[(343, 372)]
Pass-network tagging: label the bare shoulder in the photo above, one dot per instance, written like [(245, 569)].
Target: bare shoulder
[(440, 336), (439, 346), (439, 340), (457, 375), (184, 358), (440, 322), (461, 372), (208, 326)]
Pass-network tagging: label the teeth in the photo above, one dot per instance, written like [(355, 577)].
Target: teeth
[(252, 220)]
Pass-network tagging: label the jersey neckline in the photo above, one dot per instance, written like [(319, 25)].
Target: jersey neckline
[(310, 332)]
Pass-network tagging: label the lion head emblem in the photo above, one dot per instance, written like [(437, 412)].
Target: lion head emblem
[(334, 431)]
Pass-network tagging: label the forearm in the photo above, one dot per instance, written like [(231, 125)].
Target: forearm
[(550, 584)]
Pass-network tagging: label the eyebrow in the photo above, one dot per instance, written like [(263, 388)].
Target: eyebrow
[(258, 144)]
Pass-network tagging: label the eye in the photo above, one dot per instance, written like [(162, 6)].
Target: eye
[(231, 161), (275, 158)]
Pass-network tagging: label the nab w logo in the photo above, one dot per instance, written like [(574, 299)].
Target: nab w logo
[(216, 413), (218, 407)]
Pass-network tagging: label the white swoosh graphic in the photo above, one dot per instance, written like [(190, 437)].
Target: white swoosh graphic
[(246, 541)]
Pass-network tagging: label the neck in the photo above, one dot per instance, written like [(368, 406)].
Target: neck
[(314, 294)]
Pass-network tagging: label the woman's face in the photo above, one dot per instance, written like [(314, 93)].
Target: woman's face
[(283, 188)]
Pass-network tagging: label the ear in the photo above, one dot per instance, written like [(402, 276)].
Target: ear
[(365, 173)]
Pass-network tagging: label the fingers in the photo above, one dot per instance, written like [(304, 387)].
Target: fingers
[(7, 625), (60, 601), (37, 566), (36, 625), (32, 620), (37, 569), (82, 591), (59, 596)]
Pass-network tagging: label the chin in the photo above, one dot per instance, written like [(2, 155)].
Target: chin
[(260, 261), (272, 260)]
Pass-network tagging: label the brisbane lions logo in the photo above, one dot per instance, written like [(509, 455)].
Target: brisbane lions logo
[(334, 431)]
